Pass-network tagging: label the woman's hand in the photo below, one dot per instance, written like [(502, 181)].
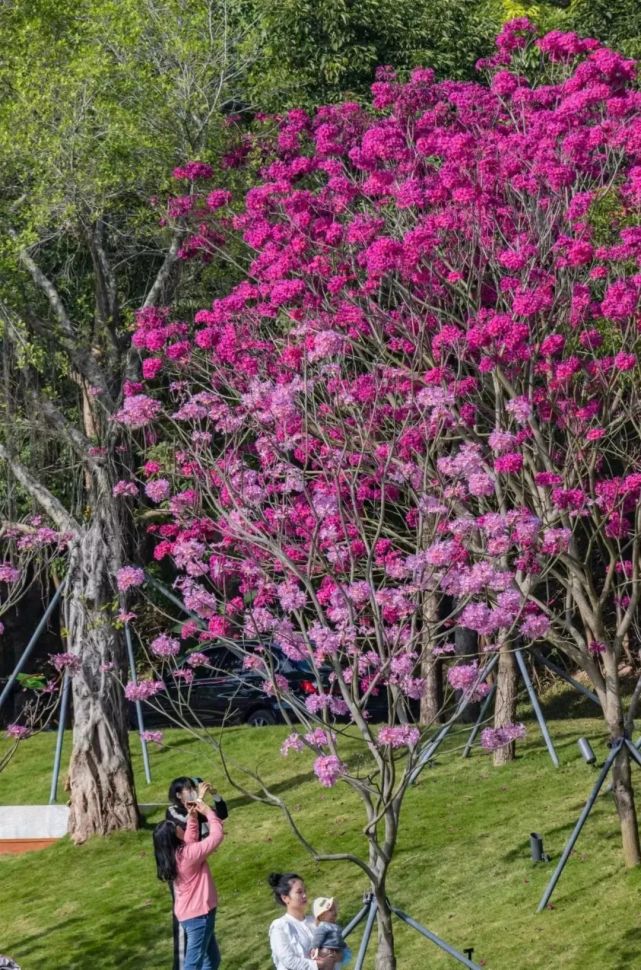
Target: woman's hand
[(327, 962), (204, 788)]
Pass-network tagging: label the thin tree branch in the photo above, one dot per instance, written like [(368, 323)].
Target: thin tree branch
[(79, 355), (163, 273), (45, 499)]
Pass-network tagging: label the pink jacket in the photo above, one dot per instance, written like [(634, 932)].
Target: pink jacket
[(194, 889)]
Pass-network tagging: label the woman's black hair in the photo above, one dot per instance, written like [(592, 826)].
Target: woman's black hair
[(281, 884), (166, 844), (177, 786)]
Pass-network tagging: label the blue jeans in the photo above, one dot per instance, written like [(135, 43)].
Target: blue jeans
[(202, 949)]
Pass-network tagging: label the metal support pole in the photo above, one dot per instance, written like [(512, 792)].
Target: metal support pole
[(525, 674), (634, 750), (475, 730), (436, 939), (362, 950), (139, 716), (565, 676), (357, 919), (616, 747), (62, 720), (430, 747), (37, 633)]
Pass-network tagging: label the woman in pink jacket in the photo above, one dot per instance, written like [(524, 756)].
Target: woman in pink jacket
[(195, 898)]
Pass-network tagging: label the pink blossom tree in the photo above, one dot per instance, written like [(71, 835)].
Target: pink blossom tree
[(425, 387)]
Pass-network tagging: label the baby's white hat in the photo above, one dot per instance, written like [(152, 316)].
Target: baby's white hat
[(321, 905)]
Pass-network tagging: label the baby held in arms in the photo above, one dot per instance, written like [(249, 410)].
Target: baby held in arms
[(327, 937)]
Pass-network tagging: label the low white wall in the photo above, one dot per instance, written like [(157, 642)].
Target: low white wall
[(33, 821)]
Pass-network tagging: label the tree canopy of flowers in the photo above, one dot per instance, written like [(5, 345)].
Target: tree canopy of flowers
[(426, 385)]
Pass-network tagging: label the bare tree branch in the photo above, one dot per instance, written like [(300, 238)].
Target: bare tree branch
[(72, 435), (164, 273), (81, 357), (45, 499)]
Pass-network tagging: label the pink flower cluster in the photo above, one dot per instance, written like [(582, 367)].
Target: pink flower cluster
[(154, 737), (18, 731), (466, 678), (164, 646), (493, 738), (401, 736), (69, 662), (143, 689), (328, 768), (293, 742), (128, 577), (158, 489), (9, 573), (124, 488), (318, 738), (138, 411)]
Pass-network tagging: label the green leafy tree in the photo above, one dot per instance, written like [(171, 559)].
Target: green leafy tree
[(100, 100), (313, 51)]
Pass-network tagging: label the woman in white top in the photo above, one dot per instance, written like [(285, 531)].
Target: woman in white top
[(290, 935)]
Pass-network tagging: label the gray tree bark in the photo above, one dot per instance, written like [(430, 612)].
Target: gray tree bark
[(621, 770), (505, 706), (431, 669)]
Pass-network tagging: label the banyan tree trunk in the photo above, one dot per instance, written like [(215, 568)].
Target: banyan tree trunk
[(101, 781)]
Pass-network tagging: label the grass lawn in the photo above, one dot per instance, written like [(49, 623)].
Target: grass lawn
[(462, 866)]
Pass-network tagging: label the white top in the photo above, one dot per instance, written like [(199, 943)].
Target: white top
[(290, 940)]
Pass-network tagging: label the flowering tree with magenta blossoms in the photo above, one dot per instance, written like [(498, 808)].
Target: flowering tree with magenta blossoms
[(426, 387)]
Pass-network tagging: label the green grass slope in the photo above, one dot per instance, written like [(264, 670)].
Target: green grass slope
[(462, 866)]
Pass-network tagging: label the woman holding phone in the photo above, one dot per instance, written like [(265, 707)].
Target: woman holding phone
[(184, 863)]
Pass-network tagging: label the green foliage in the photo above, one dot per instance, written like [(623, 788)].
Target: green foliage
[(32, 681), (615, 22), (101, 99), (313, 51)]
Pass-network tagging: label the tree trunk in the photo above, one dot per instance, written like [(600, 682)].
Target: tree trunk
[(431, 667), (505, 705), (621, 774), (385, 956), (103, 798)]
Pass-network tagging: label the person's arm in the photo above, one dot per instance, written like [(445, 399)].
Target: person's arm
[(288, 951), (191, 832), (220, 807), (194, 850)]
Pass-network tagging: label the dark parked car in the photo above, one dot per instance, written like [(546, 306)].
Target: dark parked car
[(226, 692)]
